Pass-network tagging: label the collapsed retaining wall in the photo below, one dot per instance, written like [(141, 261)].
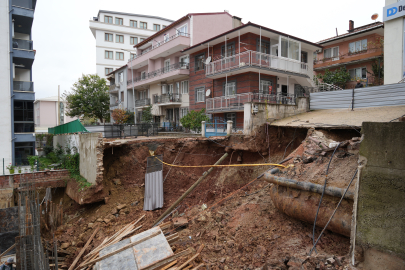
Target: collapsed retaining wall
[(91, 157), (8, 228), (379, 213)]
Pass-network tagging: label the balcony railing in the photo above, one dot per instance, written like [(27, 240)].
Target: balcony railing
[(114, 88), (23, 86), (22, 44), (142, 102), (24, 3), (167, 98), (256, 59), (158, 44), (160, 71), (277, 98), (350, 56)]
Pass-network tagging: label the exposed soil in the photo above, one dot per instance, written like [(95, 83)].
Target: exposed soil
[(244, 231)]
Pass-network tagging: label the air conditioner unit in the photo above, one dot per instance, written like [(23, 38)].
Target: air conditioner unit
[(241, 64)]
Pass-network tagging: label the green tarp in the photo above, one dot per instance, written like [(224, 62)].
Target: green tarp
[(71, 127)]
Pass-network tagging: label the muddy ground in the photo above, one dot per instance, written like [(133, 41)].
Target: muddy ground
[(245, 231)]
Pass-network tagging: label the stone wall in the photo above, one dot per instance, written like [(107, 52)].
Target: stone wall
[(53, 178), (379, 213), (91, 157), (8, 228)]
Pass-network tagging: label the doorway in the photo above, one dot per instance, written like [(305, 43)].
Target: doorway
[(284, 90)]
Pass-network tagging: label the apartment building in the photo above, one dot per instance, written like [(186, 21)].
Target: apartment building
[(250, 64), (46, 113), (159, 74), (116, 33), (17, 101), (120, 96), (357, 50)]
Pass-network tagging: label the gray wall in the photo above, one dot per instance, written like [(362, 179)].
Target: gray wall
[(91, 156)]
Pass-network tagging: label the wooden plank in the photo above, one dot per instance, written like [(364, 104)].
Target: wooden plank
[(162, 262), (5, 252), (72, 266), (122, 249), (188, 261), (197, 267), (173, 240), (188, 267), (169, 265), (200, 248)]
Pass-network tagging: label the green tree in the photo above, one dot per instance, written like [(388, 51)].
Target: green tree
[(193, 120), (147, 114), (338, 77), (89, 97), (120, 116), (131, 118)]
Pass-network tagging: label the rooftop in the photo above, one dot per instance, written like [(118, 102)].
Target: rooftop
[(132, 14), (357, 30)]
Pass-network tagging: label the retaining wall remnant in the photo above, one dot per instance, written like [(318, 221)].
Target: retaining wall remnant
[(91, 157)]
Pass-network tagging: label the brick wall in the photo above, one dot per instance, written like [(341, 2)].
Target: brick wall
[(54, 178)]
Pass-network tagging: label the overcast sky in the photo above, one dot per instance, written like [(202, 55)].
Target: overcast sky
[(65, 47)]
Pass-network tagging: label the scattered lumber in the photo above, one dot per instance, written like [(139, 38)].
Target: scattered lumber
[(171, 258), (83, 249), (8, 250), (198, 267), (169, 265), (188, 261)]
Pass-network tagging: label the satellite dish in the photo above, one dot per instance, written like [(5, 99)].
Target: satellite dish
[(208, 93), (208, 60), (374, 16)]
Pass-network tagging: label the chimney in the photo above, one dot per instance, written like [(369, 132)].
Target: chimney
[(351, 26), (236, 21)]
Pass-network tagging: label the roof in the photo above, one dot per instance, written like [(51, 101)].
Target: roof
[(116, 70), (174, 24), (52, 98), (133, 14), (357, 30), (341, 118), (253, 25)]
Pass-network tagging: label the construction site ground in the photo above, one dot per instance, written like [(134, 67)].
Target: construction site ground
[(245, 230)]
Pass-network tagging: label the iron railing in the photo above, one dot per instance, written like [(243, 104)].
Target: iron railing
[(167, 98), (256, 59), (22, 44), (23, 86), (142, 102), (278, 98), (228, 103), (122, 131)]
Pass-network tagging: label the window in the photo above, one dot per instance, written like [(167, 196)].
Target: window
[(142, 94), (122, 96), (133, 23), (184, 87), (22, 150), (142, 39), (290, 48), (143, 25), (133, 55), (23, 116), (109, 55), (304, 57), (143, 75), (62, 113), (231, 117), (108, 70), (167, 65), (229, 89), (199, 62), (182, 31), (164, 26), (183, 112), (199, 94), (156, 27), (230, 50), (164, 89), (120, 77), (119, 21), (266, 87), (119, 56), (358, 73), (119, 38), (108, 19), (177, 88), (184, 61), (170, 89), (331, 53), (108, 37), (358, 46), (264, 48), (134, 40)]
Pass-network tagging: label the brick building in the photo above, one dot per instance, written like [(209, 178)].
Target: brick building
[(249, 64), (356, 50)]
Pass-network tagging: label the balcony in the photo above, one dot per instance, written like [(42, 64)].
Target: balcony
[(142, 102), (114, 88), (349, 58), (29, 4), (172, 72), (113, 107), (252, 60), (166, 47), (22, 44), (167, 99), (23, 86)]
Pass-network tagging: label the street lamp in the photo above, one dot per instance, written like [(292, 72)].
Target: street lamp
[(133, 88)]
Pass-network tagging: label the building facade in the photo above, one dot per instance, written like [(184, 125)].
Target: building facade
[(116, 33), (159, 74), (250, 64), (357, 51), (46, 113), (16, 60)]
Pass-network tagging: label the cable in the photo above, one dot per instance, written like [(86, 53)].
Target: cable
[(323, 192), (341, 199), (173, 163), (290, 143)]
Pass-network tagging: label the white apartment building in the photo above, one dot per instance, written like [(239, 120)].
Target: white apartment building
[(116, 33)]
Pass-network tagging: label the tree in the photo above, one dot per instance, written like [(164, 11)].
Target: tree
[(193, 120), (89, 97), (120, 116), (147, 114), (338, 77)]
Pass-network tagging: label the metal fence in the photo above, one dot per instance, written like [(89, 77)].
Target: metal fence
[(383, 95), (122, 131)]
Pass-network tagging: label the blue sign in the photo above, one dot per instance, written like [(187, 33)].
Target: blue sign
[(393, 11)]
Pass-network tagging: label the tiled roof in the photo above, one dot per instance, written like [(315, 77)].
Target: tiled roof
[(355, 31)]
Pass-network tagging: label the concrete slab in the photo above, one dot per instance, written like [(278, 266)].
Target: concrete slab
[(341, 118)]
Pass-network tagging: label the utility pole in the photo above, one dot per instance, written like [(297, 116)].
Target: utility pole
[(133, 87), (58, 108)]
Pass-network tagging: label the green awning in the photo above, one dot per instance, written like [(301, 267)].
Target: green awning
[(71, 127)]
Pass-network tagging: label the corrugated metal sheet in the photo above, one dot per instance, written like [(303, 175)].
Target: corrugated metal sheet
[(153, 184), (383, 95)]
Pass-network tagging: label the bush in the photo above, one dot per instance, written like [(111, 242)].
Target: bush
[(193, 120), (48, 149)]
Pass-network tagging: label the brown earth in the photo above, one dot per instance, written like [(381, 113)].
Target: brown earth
[(243, 232)]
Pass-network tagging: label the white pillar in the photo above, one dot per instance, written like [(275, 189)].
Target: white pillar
[(229, 127), (203, 128)]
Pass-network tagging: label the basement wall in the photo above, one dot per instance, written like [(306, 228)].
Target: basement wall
[(91, 157), (379, 210), (67, 139)]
